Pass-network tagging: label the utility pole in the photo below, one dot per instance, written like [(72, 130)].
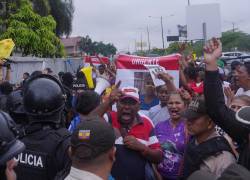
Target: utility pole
[(148, 40), (162, 34), (188, 2), (141, 42), (233, 26)]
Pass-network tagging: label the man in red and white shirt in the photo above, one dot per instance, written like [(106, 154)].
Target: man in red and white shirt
[(137, 145)]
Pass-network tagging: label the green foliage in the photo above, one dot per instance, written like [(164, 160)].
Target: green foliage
[(235, 40), (91, 47), (158, 51), (41, 7), (33, 34)]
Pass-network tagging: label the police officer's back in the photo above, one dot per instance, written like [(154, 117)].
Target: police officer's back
[(46, 141), (10, 146)]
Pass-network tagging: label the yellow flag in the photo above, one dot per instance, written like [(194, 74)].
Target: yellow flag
[(87, 71), (6, 47), (194, 56)]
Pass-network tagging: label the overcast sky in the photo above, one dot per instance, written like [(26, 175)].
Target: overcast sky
[(122, 22)]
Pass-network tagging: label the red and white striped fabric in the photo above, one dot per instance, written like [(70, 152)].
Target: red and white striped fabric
[(95, 60)]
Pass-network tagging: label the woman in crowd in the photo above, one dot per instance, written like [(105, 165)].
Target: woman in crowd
[(172, 135)]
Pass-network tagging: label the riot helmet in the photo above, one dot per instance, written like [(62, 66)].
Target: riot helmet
[(43, 97), (15, 106), (10, 146)]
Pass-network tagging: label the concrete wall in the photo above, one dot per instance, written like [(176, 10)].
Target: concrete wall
[(30, 64)]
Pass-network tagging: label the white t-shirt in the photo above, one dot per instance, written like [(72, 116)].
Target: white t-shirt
[(77, 174), (242, 92), (225, 84), (158, 114)]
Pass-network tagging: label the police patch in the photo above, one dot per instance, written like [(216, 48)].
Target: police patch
[(32, 159), (84, 134)]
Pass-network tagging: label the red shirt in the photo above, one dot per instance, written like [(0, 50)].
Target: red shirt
[(143, 130), (197, 87)]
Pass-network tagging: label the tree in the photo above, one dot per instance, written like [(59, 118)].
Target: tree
[(33, 34), (235, 40), (92, 47), (62, 11), (41, 7)]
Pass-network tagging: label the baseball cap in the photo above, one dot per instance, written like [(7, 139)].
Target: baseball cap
[(130, 92), (195, 109), (243, 116), (91, 138)]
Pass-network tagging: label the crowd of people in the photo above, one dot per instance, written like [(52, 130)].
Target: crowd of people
[(56, 126)]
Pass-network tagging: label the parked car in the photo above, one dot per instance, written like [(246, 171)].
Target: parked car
[(235, 54)]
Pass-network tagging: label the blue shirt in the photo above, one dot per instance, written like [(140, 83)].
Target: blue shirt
[(145, 106), (75, 121)]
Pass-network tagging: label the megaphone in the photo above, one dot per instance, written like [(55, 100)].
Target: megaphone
[(87, 71), (101, 85)]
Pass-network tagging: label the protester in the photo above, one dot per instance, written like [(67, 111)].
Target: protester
[(92, 150), (207, 150), (239, 101), (60, 74), (194, 79), (36, 73), (173, 138), (160, 112), (26, 75), (9, 147), (5, 89), (137, 145), (235, 65), (46, 141), (149, 98), (48, 71), (242, 78), (85, 103), (216, 108), (67, 81)]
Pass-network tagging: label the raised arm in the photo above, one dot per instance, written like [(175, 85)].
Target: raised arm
[(218, 111)]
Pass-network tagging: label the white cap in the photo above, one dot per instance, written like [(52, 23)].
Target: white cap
[(131, 92)]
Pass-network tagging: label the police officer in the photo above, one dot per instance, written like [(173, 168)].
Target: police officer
[(46, 141), (14, 106), (9, 146)]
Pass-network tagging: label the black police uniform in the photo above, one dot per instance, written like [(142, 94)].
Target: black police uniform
[(9, 145), (46, 153), (46, 141)]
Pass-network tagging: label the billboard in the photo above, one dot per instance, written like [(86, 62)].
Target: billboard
[(203, 19)]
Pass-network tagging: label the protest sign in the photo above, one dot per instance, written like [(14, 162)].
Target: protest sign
[(131, 69), (154, 70), (96, 61)]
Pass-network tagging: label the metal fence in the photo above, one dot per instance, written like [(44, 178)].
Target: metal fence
[(30, 64)]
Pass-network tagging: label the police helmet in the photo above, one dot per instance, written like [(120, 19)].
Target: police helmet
[(15, 105), (43, 96), (9, 145)]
